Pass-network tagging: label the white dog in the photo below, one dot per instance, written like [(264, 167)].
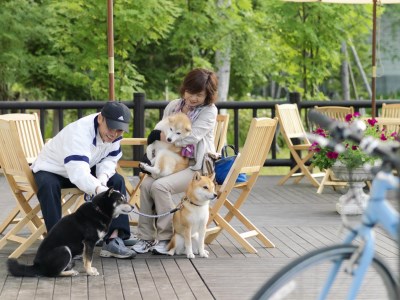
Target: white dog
[(165, 158)]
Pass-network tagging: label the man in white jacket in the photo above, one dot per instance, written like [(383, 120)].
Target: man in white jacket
[(85, 154)]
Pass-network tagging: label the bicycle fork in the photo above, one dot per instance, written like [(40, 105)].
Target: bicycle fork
[(356, 266)]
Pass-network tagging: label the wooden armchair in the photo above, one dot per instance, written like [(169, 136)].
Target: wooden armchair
[(250, 161), (23, 186)]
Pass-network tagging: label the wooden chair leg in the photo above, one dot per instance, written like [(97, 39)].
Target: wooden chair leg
[(226, 226), (324, 180), (9, 219), (300, 163), (25, 243), (28, 242)]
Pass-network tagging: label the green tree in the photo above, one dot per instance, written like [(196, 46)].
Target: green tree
[(309, 36), (79, 36), (21, 58)]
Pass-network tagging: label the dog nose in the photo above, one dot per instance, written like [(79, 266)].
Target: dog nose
[(169, 140)]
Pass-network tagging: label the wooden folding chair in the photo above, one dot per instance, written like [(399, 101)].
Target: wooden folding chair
[(29, 133), (390, 111), (250, 161), (133, 191), (292, 128), (220, 132), (32, 142), (335, 112), (23, 186), (338, 113)]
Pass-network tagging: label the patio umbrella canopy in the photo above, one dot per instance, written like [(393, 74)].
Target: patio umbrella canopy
[(374, 4)]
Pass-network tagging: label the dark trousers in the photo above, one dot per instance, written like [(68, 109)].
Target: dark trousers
[(49, 195)]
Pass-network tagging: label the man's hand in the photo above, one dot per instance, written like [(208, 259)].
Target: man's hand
[(100, 189), (103, 179)]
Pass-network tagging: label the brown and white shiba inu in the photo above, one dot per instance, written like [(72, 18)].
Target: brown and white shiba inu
[(165, 157), (191, 220)]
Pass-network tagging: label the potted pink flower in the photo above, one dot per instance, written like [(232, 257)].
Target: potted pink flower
[(324, 158)]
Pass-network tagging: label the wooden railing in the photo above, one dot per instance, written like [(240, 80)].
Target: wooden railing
[(140, 106)]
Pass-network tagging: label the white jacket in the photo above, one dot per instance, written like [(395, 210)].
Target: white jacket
[(75, 150)]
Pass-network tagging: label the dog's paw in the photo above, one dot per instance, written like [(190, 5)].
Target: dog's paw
[(190, 255), (171, 252), (92, 271), (204, 253), (70, 272)]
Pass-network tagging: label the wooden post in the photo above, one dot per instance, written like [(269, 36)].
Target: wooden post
[(110, 36)]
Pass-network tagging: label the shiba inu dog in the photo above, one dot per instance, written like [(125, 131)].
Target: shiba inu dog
[(190, 221), (73, 235), (165, 157)]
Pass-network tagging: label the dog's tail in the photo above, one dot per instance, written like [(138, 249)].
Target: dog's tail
[(17, 269)]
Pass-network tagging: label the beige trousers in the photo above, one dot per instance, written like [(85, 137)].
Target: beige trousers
[(156, 198)]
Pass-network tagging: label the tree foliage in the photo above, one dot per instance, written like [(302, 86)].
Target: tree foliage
[(57, 49)]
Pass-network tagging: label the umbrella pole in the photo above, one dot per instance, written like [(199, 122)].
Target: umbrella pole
[(373, 85), (110, 36)]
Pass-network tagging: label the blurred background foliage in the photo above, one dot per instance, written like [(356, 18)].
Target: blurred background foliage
[(54, 49)]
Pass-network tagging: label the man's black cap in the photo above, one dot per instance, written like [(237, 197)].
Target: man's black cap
[(117, 114)]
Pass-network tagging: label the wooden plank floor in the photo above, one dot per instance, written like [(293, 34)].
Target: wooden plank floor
[(294, 217)]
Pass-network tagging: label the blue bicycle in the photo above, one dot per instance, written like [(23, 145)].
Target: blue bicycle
[(350, 270)]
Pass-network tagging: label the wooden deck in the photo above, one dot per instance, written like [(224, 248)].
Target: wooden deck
[(294, 217)]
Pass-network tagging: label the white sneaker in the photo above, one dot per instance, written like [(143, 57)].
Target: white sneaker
[(161, 247), (143, 246)]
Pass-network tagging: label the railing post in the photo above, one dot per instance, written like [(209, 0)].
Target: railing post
[(138, 114), (294, 98), (138, 125)]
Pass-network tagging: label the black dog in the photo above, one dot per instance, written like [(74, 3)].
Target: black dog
[(74, 234)]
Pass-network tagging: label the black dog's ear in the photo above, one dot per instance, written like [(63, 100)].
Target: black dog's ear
[(110, 191)]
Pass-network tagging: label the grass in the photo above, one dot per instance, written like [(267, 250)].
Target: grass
[(283, 153)]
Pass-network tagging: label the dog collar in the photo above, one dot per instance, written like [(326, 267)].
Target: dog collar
[(99, 210), (186, 198), (190, 201)]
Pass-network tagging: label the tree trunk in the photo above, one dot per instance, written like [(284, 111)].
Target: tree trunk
[(344, 70), (364, 77), (223, 63), (353, 82), (223, 59)]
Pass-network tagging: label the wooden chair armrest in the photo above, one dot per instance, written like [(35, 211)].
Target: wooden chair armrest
[(133, 141)]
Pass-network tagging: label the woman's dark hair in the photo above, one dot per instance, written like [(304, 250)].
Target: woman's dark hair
[(199, 80)]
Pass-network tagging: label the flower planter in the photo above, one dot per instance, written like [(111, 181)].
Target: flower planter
[(355, 200)]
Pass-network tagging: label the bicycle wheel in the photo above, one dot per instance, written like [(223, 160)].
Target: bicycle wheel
[(305, 277)]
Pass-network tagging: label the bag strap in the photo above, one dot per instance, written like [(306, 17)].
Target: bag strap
[(224, 151)]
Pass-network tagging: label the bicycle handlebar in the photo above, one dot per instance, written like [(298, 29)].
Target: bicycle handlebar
[(339, 131)]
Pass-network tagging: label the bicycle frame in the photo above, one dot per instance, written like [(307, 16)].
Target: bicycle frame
[(378, 211)]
